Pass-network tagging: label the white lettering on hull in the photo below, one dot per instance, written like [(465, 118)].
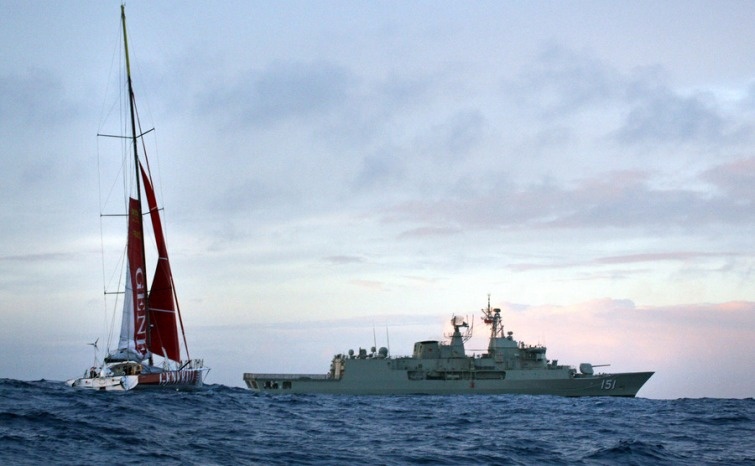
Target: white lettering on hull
[(178, 377)]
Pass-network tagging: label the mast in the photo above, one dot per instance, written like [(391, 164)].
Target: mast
[(492, 317), (134, 137), (131, 106)]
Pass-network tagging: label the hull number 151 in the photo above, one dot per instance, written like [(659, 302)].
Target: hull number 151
[(608, 384)]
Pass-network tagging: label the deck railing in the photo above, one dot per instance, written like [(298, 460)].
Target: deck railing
[(286, 376)]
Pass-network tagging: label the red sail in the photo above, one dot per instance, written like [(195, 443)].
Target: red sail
[(162, 303), (138, 287)]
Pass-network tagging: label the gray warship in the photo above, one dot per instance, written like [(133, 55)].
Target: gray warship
[(437, 368)]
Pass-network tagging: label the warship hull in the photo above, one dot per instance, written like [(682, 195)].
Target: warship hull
[(376, 379)]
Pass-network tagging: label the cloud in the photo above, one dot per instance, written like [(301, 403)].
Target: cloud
[(344, 260), (282, 91), (459, 134), (370, 284), (354, 136), (735, 179), (34, 96), (631, 259), (427, 160), (560, 82), (654, 257), (38, 257), (429, 232), (383, 168), (624, 200), (37, 123), (747, 103), (636, 108), (660, 115)]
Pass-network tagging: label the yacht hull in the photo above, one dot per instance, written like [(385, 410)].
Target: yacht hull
[(178, 380)]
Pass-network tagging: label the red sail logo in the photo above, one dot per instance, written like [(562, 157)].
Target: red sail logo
[(138, 280)]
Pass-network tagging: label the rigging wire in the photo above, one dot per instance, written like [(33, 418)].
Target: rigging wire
[(104, 117), (105, 196)]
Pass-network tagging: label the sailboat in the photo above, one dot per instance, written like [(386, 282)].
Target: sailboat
[(151, 317)]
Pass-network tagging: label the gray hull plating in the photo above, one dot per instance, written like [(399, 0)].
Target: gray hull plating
[(373, 378)]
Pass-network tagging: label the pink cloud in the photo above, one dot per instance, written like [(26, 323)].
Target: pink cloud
[(670, 256), (736, 178), (697, 350)]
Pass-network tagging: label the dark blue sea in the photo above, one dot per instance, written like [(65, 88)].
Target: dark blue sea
[(46, 422)]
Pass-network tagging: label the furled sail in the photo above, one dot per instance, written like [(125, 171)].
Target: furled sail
[(132, 343), (162, 310)]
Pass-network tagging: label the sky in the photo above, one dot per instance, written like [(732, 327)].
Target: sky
[(338, 175)]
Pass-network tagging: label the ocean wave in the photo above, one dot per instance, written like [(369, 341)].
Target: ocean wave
[(45, 421)]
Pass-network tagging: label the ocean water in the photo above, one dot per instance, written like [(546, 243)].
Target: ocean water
[(47, 422)]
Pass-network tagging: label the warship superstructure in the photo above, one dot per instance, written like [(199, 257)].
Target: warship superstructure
[(508, 367)]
